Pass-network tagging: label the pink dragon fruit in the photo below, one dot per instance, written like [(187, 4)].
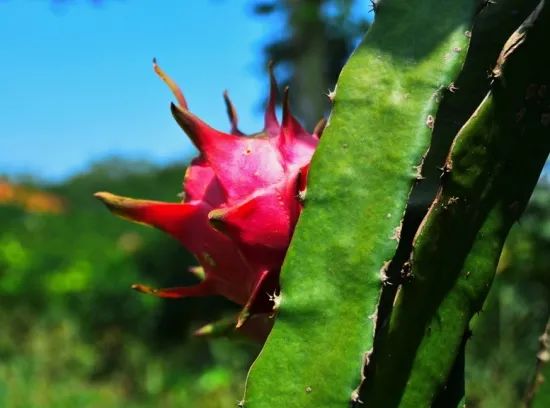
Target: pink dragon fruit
[(241, 203)]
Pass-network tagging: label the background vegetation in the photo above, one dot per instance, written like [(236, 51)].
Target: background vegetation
[(73, 333)]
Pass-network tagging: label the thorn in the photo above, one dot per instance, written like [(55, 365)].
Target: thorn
[(276, 299), (169, 217), (243, 317), (198, 271), (418, 172), (384, 273), (430, 121), (232, 114), (374, 6), (331, 95), (373, 317), (201, 134), (216, 219), (286, 104), (138, 287), (438, 94), (452, 88), (452, 200), (273, 86), (320, 128), (355, 397), (124, 207), (396, 235), (302, 183), (406, 271), (217, 328), (205, 330), (271, 125), (171, 84), (244, 314), (202, 289), (447, 167)]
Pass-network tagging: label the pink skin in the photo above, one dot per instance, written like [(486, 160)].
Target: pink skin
[(240, 207)]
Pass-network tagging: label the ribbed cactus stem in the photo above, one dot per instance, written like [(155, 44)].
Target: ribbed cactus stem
[(385, 105), (488, 178)]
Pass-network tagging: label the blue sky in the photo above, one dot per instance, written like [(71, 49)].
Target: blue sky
[(77, 85), (76, 81)]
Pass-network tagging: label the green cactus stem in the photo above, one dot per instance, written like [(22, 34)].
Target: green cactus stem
[(492, 27), (360, 178), (488, 178), (452, 393)]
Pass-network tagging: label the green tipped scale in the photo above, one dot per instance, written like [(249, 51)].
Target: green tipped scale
[(360, 178)]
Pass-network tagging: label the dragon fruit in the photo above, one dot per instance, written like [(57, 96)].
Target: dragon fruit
[(241, 200)]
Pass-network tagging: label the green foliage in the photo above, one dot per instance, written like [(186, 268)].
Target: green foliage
[(124, 349), (75, 334), (504, 343), (538, 395)]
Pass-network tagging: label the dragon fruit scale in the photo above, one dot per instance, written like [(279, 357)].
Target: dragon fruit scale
[(241, 201)]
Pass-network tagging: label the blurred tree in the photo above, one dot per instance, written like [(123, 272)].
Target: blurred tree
[(309, 50), (502, 351)]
